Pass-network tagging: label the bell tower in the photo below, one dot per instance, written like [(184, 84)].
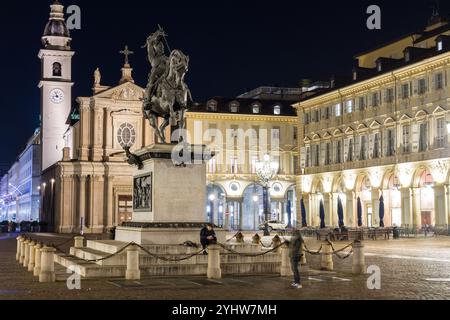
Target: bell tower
[(55, 85)]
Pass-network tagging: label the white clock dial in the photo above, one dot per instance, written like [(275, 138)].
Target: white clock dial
[(57, 96)]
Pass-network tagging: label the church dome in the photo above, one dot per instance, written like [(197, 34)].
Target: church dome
[(56, 28), (56, 25)]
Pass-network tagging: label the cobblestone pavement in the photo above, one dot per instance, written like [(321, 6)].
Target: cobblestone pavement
[(410, 269)]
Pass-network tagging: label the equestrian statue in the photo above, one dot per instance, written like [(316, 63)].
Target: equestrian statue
[(166, 96)]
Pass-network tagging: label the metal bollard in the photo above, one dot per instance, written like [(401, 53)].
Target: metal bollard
[(133, 272), (214, 271), (26, 259), (47, 272), (359, 260), (285, 269), (79, 242), (22, 250), (303, 258), (37, 260), (18, 247), (327, 256), (32, 256)]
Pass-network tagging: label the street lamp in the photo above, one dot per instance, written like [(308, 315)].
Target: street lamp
[(266, 170)]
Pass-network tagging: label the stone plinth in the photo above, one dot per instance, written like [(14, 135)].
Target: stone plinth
[(168, 196)]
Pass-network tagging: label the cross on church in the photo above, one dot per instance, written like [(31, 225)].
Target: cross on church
[(126, 52)]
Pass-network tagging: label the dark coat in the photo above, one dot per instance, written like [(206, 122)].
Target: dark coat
[(205, 233), (295, 246)]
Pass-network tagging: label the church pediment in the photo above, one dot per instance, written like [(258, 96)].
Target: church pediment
[(127, 91)]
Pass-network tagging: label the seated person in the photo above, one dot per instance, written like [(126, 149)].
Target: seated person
[(207, 236)]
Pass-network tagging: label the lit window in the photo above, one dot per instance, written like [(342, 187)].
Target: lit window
[(349, 105), (256, 108), (234, 107), (337, 110), (407, 56), (422, 86), (439, 81), (212, 106), (440, 45), (405, 91), (277, 110)]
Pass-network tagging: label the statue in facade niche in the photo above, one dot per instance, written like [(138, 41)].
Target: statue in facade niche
[(97, 77), (166, 96)]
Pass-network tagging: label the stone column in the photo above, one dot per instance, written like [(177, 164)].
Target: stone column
[(407, 206), (109, 133), (32, 256), (285, 269), (350, 210), (110, 214), (22, 250), (440, 205), (359, 261), (328, 206), (82, 202), (79, 242), (214, 271), (19, 238), (47, 272), (417, 214), (26, 259), (375, 206), (133, 272), (37, 260), (327, 257)]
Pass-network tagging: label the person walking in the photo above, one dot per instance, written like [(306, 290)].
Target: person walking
[(295, 254), (207, 236)]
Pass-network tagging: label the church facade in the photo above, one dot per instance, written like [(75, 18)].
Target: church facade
[(86, 183)]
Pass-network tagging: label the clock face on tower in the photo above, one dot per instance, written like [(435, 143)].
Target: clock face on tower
[(57, 96)]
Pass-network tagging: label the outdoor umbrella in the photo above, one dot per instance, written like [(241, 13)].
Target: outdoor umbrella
[(340, 212), (303, 210), (359, 212), (381, 212), (322, 215)]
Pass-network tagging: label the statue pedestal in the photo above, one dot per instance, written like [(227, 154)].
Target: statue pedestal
[(168, 200)]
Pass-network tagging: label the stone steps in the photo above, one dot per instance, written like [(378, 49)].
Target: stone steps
[(93, 270)]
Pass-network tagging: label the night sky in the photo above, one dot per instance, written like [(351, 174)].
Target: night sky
[(233, 45)]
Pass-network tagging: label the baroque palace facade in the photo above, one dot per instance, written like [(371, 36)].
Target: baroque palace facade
[(234, 193), (382, 136)]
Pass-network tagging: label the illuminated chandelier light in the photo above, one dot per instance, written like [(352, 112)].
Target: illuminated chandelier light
[(266, 170)]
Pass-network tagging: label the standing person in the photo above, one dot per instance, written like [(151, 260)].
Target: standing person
[(207, 236), (295, 254)]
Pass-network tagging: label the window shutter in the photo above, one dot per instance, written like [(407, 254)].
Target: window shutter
[(302, 158), (323, 147), (371, 145), (415, 137), (333, 152), (385, 142), (415, 86), (346, 145), (357, 151)]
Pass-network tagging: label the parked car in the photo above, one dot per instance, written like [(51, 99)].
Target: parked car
[(274, 225)]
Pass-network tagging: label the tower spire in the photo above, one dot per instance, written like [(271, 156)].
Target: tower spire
[(56, 34)]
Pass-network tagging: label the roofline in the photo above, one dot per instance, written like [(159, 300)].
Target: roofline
[(368, 81)]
